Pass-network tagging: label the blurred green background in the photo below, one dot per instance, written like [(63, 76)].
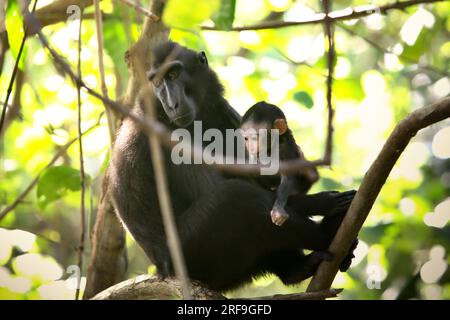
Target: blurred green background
[(386, 67)]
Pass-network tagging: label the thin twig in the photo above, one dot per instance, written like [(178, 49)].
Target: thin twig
[(140, 9), (13, 75), (30, 187), (82, 175), (159, 129), (376, 46), (371, 186), (329, 31), (173, 239), (99, 27), (315, 295), (13, 110), (346, 14)]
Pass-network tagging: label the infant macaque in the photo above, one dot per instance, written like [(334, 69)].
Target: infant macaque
[(268, 116)]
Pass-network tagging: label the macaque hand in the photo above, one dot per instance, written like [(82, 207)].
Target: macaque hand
[(279, 216)]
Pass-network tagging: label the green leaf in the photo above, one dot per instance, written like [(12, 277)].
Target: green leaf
[(349, 88), (14, 25), (115, 42), (330, 184), (304, 98), (373, 234), (422, 45), (55, 182), (189, 13), (224, 18)]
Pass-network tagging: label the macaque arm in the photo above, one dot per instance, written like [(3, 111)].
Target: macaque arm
[(284, 190)]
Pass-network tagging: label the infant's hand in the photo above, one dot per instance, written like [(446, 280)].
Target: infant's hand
[(279, 216)]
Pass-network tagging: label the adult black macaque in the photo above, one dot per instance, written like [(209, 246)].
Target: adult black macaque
[(223, 222)]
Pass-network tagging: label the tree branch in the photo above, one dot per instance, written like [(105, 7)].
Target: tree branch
[(108, 240), (30, 187), (82, 174), (153, 17), (146, 287), (99, 29), (371, 185), (379, 48), (329, 31), (346, 14), (157, 128), (170, 228), (57, 11), (14, 73)]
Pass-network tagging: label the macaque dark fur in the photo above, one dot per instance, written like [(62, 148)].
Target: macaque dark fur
[(267, 116), (223, 222)]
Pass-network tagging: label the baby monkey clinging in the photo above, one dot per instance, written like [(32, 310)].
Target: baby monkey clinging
[(265, 116)]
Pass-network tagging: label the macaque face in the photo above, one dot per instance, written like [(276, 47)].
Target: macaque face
[(256, 136)]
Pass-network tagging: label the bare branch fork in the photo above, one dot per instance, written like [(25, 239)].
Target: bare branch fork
[(371, 185)]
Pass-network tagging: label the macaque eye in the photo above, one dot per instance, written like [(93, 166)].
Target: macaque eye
[(157, 81)]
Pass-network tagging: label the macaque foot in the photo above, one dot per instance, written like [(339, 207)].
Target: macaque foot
[(345, 264)]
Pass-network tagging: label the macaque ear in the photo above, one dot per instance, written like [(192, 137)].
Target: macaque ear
[(281, 125), (202, 57)]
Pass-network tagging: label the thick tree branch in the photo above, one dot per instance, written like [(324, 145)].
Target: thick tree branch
[(147, 287), (371, 185), (108, 240), (346, 14), (57, 11)]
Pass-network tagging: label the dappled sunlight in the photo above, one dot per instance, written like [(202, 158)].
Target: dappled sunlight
[(440, 216), (35, 265), (407, 207), (413, 26), (441, 143), (60, 289), (360, 253), (250, 37), (386, 65), (53, 82), (440, 88), (408, 166), (306, 48), (13, 283), (433, 269)]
